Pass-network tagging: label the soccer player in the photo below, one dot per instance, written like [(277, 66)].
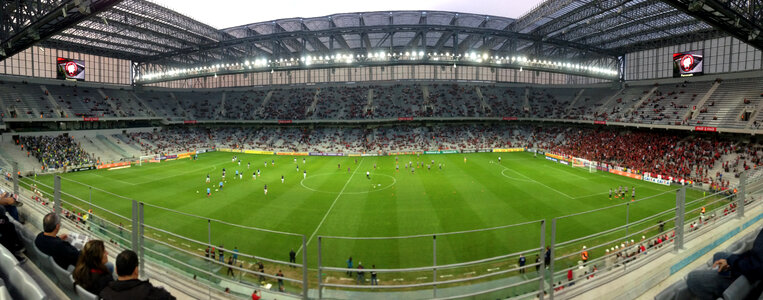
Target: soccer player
[(348, 169), (303, 160), (239, 162), (209, 192), (266, 164), (633, 194), (258, 172), (464, 159), (304, 174), (440, 166), (273, 162), (297, 168), (207, 178), (221, 185), (368, 175), (236, 174), (254, 175), (241, 175), (413, 170), (397, 168), (374, 166), (295, 160), (429, 167), (339, 166), (266, 189), (281, 178), (610, 194), (248, 165), (223, 174), (356, 161)]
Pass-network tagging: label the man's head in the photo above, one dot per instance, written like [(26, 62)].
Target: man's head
[(127, 265), (51, 223)]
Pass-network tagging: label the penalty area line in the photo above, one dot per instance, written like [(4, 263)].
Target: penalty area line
[(538, 182)]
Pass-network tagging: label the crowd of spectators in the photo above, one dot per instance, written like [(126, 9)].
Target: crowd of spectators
[(55, 152), (710, 159)]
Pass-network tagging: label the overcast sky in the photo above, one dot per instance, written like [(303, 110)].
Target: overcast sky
[(228, 13)]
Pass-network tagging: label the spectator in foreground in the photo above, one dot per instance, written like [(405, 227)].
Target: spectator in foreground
[(10, 202), (128, 286), (91, 272), (727, 267), (9, 238), (50, 243)]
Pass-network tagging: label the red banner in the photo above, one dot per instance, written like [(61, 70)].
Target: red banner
[(705, 128), (509, 118), (108, 166), (90, 119), (189, 122), (626, 174), (284, 121), (600, 122), (405, 118)]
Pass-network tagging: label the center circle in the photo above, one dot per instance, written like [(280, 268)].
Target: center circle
[(375, 185)]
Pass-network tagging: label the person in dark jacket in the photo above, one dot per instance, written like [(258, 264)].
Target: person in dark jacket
[(50, 243), (727, 267), (128, 286), (91, 272)]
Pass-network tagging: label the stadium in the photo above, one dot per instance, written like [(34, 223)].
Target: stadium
[(576, 149)]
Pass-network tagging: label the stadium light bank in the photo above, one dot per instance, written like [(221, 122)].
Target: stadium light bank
[(381, 57)]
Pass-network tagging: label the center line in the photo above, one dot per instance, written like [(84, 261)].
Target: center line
[(332, 205)]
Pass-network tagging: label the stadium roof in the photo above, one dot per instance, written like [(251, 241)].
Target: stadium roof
[(146, 32)]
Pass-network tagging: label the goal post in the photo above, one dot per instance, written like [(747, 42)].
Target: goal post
[(584, 163), (147, 159)]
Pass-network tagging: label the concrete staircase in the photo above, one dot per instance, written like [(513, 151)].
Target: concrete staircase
[(695, 112)]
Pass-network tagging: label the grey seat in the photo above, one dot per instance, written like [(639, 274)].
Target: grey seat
[(64, 277), (4, 294), (85, 295), (22, 285), (7, 260), (740, 288), (672, 291)]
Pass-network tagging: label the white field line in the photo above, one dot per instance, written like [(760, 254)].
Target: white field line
[(538, 182), (332, 206)]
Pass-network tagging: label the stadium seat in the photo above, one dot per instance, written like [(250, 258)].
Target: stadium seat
[(85, 295), (7, 260), (672, 291), (41, 259), (740, 288), (64, 277), (4, 294), (23, 286)]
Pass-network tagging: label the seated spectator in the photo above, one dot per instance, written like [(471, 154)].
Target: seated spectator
[(727, 267), (9, 238), (9, 202), (128, 286), (91, 272), (50, 243)]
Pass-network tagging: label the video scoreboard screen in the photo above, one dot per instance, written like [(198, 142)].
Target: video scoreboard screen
[(687, 63), (70, 69)]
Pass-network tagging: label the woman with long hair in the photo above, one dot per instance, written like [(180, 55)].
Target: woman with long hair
[(91, 272)]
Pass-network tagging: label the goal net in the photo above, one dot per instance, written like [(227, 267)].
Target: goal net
[(148, 159), (584, 163)]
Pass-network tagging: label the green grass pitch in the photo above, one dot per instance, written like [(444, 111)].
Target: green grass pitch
[(466, 194)]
